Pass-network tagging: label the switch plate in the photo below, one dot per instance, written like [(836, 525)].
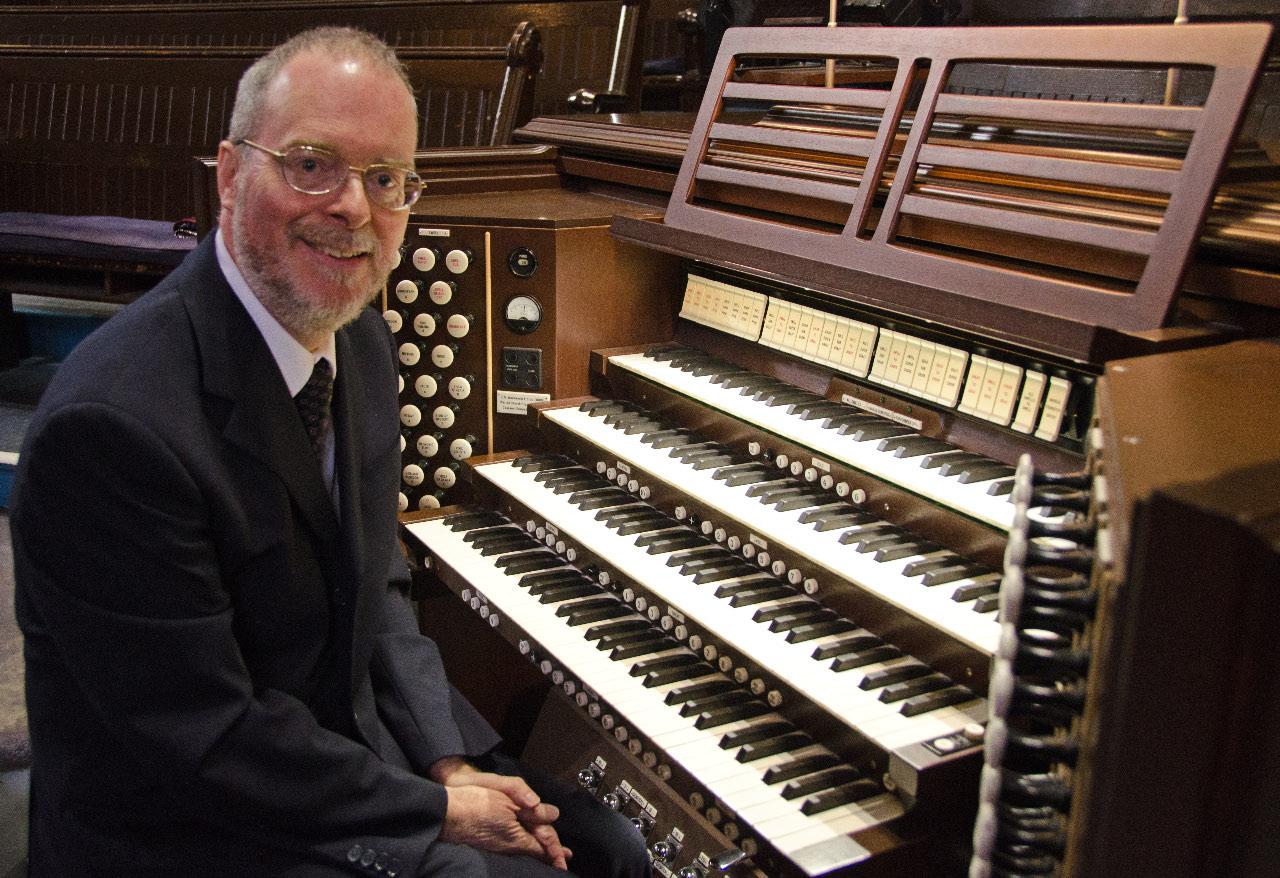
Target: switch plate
[(522, 368)]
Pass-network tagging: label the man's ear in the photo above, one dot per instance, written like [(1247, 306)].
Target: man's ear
[(228, 167)]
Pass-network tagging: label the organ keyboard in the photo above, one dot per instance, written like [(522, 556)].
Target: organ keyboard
[(761, 567)]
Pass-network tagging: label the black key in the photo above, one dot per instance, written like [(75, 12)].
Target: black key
[(533, 580), (672, 544), (908, 446), (802, 500), (748, 477), (782, 492), (631, 636), (675, 675), (874, 432), (933, 700), (685, 452), (695, 559), (679, 660), (645, 526), (538, 462), (698, 691), (662, 354), (851, 416), (735, 380), (768, 386), (568, 486), (710, 367), (811, 411), (812, 631), (839, 521), (877, 541), (759, 596), (730, 713), (552, 476), (976, 590), (597, 632), (568, 593), (768, 614), (958, 464), (757, 732), (924, 565), (581, 614), (507, 546), (896, 674), (748, 583), (488, 533), (624, 416), (759, 489), (741, 466), (905, 550), (643, 427), (604, 501), (773, 746), (841, 795), (988, 603), (662, 435), (718, 699), (639, 648), (846, 646), (910, 688), (816, 783), (1000, 487), (627, 513), (603, 490), (516, 557), (804, 617), (784, 397), (560, 579), (672, 530), (712, 461), (533, 563), (599, 406), (472, 520), (871, 656), (864, 532), (985, 472), (728, 570), (944, 458), (798, 768), (943, 575)]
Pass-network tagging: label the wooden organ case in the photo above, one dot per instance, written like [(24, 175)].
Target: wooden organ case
[(796, 578)]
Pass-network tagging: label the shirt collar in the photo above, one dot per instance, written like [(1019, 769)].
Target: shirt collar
[(294, 360)]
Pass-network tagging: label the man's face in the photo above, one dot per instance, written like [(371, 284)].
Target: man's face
[(315, 260)]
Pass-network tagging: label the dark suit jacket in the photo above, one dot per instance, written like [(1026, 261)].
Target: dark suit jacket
[(224, 675)]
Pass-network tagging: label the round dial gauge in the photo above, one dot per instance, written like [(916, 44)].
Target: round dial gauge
[(523, 314)]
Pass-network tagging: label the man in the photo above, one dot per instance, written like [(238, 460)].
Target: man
[(224, 675)]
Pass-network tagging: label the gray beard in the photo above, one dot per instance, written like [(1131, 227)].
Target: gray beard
[(301, 317)]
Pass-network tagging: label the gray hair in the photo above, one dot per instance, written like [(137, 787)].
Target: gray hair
[(246, 114)]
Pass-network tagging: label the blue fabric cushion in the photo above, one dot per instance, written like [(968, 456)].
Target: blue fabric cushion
[(93, 238)]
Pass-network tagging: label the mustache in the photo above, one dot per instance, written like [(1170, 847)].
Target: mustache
[(345, 241)]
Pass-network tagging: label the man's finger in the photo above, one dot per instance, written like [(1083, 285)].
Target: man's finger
[(543, 813), (553, 851)]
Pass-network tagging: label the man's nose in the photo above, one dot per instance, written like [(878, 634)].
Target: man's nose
[(351, 201)]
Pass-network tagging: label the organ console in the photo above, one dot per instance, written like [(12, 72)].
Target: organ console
[(862, 538)]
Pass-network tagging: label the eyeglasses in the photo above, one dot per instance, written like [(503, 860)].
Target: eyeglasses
[(315, 171)]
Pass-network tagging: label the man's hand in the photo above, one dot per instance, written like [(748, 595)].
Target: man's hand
[(498, 813)]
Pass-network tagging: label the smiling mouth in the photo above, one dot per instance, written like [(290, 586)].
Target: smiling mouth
[(340, 254)]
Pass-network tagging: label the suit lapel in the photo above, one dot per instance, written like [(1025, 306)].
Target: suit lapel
[(238, 368)]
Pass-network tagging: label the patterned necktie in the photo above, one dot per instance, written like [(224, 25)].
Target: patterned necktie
[(313, 403)]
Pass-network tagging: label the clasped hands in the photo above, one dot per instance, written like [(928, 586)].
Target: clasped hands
[(497, 813)]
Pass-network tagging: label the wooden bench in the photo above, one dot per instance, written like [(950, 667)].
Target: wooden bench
[(590, 46)]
